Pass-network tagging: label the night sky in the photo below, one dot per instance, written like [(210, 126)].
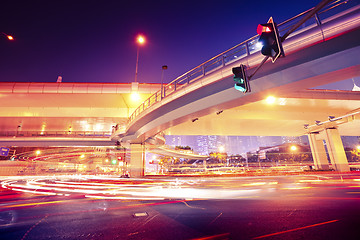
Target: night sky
[(94, 40)]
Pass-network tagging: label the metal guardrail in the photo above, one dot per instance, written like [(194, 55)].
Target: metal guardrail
[(237, 53), (72, 134)]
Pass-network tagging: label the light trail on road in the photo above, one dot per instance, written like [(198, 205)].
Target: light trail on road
[(115, 188), (101, 187), (260, 207)]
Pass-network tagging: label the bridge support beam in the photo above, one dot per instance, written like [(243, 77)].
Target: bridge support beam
[(137, 160), (336, 150), (318, 152)]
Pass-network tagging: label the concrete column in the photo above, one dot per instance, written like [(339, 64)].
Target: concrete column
[(318, 152), (336, 150), (137, 160)]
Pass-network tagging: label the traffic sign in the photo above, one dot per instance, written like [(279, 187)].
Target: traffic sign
[(4, 151)]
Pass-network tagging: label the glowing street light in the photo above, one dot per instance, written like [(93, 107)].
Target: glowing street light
[(38, 152), (9, 37), (293, 149), (140, 40), (221, 149), (135, 97), (270, 100)]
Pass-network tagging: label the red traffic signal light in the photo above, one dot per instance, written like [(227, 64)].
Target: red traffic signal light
[(270, 39), (263, 28)]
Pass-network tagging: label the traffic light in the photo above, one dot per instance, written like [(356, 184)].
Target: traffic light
[(270, 39), (240, 78), (114, 161)]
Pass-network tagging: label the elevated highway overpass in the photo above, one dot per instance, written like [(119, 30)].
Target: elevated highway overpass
[(203, 100), (66, 114)]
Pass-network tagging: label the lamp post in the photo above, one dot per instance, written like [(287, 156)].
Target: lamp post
[(293, 149), (140, 41), (162, 80), (9, 37)]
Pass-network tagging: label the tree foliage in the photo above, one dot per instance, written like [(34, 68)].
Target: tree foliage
[(219, 155)]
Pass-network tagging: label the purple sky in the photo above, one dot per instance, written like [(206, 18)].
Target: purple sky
[(94, 41)]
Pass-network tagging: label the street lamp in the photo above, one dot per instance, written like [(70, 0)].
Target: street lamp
[(221, 149), (135, 97), (293, 149), (140, 41), (162, 80), (11, 38)]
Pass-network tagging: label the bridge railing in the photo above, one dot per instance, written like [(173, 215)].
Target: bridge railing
[(72, 134), (239, 52)]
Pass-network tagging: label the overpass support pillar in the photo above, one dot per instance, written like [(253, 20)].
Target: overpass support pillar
[(137, 160), (318, 152), (336, 150)]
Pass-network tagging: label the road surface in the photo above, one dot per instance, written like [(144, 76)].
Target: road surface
[(279, 207)]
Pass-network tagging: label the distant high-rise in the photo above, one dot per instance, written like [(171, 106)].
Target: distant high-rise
[(233, 145)]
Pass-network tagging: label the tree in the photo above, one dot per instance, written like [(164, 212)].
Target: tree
[(165, 161), (352, 155), (218, 155), (273, 156)]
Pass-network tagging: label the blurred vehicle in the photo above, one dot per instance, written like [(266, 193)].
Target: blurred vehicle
[(125, 175)]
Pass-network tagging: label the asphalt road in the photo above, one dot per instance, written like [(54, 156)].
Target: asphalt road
[(306, 207)]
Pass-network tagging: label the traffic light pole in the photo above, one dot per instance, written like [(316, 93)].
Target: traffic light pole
[(258, 67), (307, 17)]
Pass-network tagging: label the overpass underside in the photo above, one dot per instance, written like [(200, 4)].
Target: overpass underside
[(283, 115), (290, 115)]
